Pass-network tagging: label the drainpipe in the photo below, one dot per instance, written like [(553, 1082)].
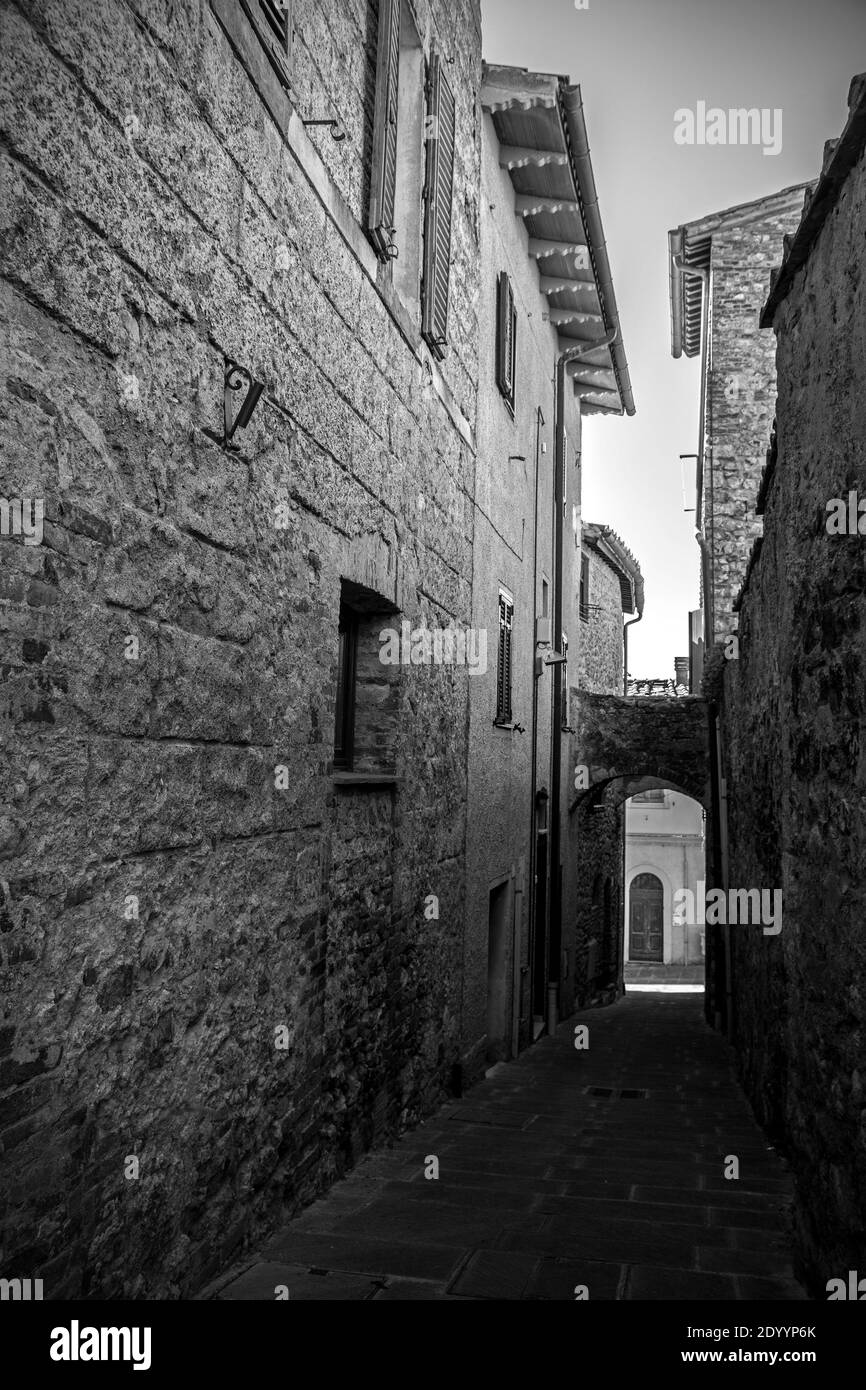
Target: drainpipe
[(555, 915), (533, 867), (625, 628)]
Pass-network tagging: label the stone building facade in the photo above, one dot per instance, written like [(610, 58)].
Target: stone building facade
[(611, 586), (664, 852), (793, 714), (719, 267), (220, 984), (545, 293), (233, 865)]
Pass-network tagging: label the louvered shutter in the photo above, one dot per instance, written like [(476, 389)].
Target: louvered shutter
[(438, 196), (273, 22), (506, 337), (565, 473), (503, 665), (383, 180)]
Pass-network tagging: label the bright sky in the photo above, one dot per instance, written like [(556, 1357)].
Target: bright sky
[(637, 62)]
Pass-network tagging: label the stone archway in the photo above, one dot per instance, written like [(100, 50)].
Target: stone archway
[(623, 744)]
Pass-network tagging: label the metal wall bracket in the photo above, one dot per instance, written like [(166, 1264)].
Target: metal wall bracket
[(237, 417), (337, 129)]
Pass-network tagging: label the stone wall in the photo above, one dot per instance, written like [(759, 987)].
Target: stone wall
[(599, 665), (794, 714), (636, 742), (595, 938), (741, 389), (215, 956)]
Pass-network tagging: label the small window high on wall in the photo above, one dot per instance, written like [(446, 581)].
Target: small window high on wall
[(272, 21), (506, 339), (503, 661), (584, 587), (412, 174)]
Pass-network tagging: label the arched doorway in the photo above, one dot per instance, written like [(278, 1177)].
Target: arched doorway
[(646, 918)]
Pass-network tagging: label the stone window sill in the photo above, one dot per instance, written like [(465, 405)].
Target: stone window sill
[(364, 779)]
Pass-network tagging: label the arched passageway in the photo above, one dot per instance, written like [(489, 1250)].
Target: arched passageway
[(657, 749)]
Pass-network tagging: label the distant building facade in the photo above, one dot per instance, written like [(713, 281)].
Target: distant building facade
[(611, 596), (719, 268), (664, 852)]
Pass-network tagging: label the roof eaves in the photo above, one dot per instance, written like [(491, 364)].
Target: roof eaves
[(607, 544), (574, 122)]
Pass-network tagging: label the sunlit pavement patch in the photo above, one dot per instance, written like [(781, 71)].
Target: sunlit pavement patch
[(664, 989)]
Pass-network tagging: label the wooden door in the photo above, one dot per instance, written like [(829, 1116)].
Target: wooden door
[(646, 918)]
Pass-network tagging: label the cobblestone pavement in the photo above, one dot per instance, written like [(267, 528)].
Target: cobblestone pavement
[(601, 1168)]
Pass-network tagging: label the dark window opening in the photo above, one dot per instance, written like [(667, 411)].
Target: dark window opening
[(367, 706), (584, 587), (344, 729)]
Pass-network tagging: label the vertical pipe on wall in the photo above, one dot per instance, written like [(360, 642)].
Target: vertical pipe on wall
[(555, 913), (533, 867)]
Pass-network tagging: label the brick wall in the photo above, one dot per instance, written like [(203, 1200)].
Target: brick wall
[(794, 715), (165, 904)]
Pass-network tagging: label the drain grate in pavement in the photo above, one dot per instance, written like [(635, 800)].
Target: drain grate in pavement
[(627, 1093)]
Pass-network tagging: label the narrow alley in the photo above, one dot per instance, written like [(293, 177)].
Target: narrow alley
[(432, 667), (600, 1167)]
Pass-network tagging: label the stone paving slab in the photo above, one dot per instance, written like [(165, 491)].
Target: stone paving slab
[(544, 1186)]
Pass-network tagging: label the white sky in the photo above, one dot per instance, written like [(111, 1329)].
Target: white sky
[(637, 61)]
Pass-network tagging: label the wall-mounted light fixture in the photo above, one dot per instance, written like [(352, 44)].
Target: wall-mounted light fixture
[(238, 379), (338, 131)]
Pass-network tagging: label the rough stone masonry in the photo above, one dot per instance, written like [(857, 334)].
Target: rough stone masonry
[(207, 1036), (793, 718)]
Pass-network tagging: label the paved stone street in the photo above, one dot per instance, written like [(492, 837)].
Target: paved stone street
[(646, 973), (601, 1167)]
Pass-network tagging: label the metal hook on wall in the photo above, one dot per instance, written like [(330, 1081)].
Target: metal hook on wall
[(236, 379)]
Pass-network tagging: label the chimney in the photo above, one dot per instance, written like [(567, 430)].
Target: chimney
[(681, 666)]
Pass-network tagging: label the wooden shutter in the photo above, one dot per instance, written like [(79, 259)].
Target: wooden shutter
[(506, 337), (438, 196), (503, 664), (383, 180), (564, 473), (272, 21)]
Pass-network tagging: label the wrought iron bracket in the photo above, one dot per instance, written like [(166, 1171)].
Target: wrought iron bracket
[(237, 417)]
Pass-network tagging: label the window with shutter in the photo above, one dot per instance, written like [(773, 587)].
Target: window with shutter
[(383, 181), (272, 21), (506, 338), (584, 587), (564, 712), (438, 196), (503, 664), (565, 473)]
